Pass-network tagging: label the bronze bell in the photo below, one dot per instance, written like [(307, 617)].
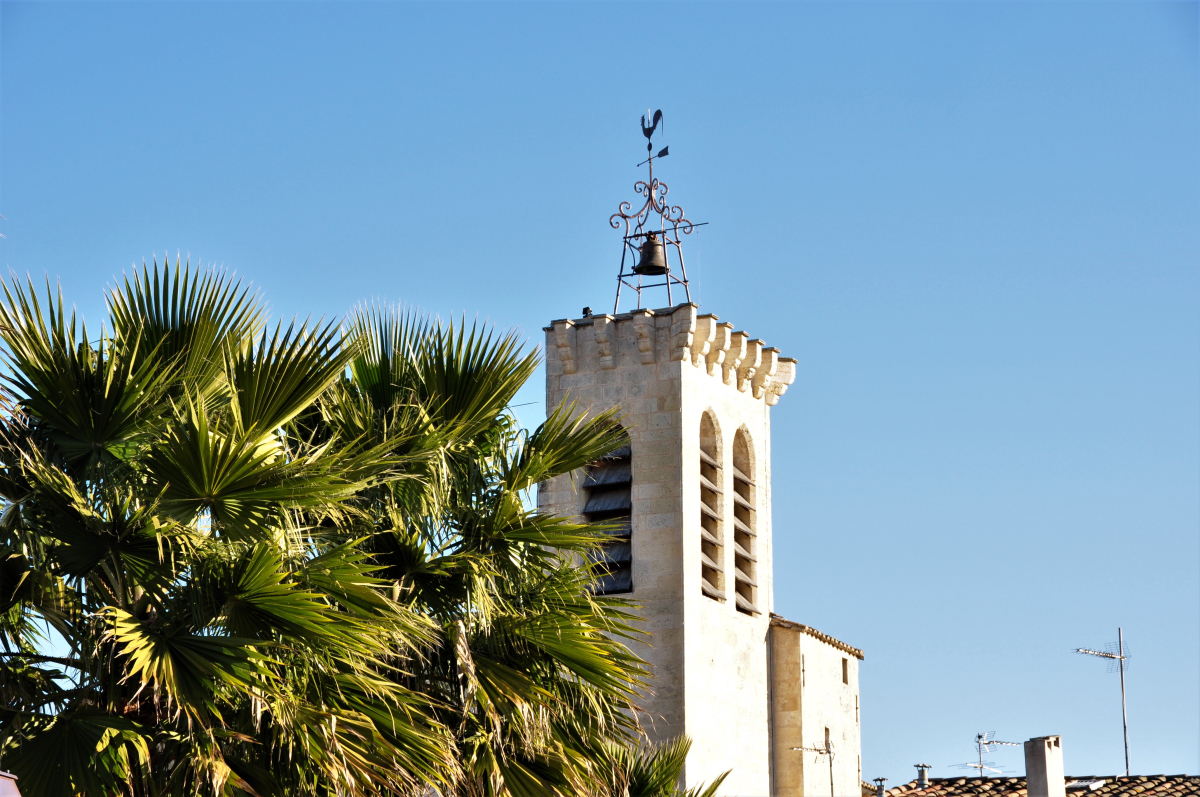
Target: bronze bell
[(653, 261)]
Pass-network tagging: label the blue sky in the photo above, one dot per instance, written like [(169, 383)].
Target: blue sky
[(976, 225)]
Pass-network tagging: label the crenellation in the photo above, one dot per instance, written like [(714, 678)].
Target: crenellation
[(706, 331), (784, 376), (722, 338), (606, 340), (643, 325), (564, 340), (683, 329), (734, 357), (768, 362), (665, 370), (749, 364)]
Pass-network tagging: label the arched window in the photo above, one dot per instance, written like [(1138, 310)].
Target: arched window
[(745, 525), (712, 571), (608, 489)]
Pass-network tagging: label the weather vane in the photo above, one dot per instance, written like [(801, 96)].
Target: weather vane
[(652, 231)]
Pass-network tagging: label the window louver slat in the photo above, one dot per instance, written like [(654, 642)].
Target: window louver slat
[(616, 582), (617, 473), (744, 604), (607, 501), (609, 488), (742, 527)]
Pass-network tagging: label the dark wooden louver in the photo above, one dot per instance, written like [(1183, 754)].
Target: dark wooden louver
[(608, 487)]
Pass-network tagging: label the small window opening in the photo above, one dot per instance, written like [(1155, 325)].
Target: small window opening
[(712, 520), (609, 490), (845, 671), (745, 526), (828, 740)]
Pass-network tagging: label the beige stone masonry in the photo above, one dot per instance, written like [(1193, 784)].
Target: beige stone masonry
[(702, 340), (814, 702), (695, 396)]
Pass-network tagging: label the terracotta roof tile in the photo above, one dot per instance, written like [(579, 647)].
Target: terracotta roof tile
[(783, 622), (1077, 786)]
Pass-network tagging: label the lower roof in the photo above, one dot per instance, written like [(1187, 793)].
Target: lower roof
[(1077, 785), (781, 622)]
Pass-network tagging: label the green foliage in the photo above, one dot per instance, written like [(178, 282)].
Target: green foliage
[(653, 771), (299, 562)]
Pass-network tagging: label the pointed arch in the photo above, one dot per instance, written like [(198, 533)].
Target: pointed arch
[(745, 523), (712, 527)]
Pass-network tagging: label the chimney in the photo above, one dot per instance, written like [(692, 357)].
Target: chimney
[(8, 785), (922, 776), (1044, 767), (880, 790)]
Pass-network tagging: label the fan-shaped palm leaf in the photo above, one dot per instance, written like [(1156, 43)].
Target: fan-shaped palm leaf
[(96, 402), (186, 317)]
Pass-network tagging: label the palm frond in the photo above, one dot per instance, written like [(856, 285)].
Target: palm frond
[(468, 376), (186, 317), (199, 469), (98, 400), (282, 375), (82, 751)]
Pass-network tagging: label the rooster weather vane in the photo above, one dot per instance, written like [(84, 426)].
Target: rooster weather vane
[(652, 231)]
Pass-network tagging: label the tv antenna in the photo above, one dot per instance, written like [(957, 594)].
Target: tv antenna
[(986, 743), (982, 766), (827, 750), (1116, 654)]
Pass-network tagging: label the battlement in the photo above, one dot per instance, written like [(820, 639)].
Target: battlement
[(670, 334)]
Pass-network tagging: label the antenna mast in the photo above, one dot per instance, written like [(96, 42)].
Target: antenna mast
[(1116, 655), (827, 750), (986, 743)]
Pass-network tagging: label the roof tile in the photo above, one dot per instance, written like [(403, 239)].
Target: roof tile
[(1113, 786)]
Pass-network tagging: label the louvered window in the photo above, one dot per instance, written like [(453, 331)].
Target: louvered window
[(745, 525), (608, 489), (712, 504)]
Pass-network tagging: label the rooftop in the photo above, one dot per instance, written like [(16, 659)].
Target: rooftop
[(1090, 785), (826, 638)]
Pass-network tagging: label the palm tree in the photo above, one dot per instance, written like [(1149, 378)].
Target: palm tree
[(653, 771), (529, 672), (296, 561), (166, 526)]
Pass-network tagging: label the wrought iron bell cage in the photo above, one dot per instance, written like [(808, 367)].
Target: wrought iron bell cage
[(652, 245)]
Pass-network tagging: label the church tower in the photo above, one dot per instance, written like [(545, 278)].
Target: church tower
[(691, 499)]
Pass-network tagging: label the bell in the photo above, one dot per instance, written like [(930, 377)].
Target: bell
[(653, 261)]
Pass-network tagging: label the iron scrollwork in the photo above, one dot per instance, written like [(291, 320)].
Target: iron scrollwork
[(670, 221)]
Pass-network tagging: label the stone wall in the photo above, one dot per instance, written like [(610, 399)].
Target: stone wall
[(815, 691), (665, 370)]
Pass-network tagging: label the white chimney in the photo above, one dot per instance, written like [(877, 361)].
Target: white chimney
[(1044, 767), (8, 785), (922, 776)]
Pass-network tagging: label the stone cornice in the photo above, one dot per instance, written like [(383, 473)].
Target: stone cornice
[(744, 363)]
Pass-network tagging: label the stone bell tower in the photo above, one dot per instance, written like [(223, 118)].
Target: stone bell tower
[(695, 485), (690, 501)]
